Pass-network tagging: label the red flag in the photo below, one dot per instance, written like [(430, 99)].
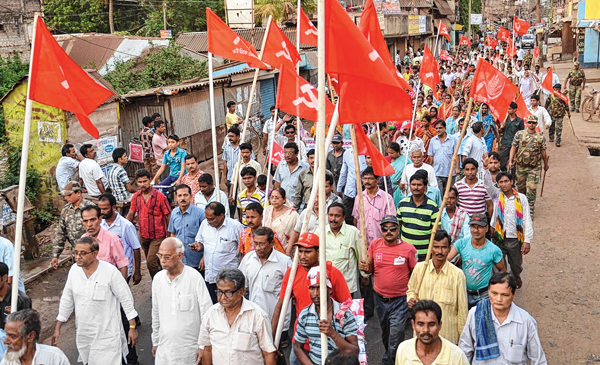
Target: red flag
[(493, 88), (491, 42), (511, 50), (520, 26), (429, 69), (367, 92), (308, 32), (369, 27), (224, 42), (536, 52), (276, 156), (444, 31), (365, 147), (503, 34), (445, 56), (278, 49), (298, 97), (57, 81), (464, 41), (522, 110), (547, 84)]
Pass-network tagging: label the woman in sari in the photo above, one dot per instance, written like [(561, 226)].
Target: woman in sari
[(446, 107), (422, 110), (452, 120), (397, 161), (279, 216), (490, 131), (426, 132)]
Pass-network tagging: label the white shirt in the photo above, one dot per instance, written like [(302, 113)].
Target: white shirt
[(510, 223), (45, 355), (313, 222), (89, 172), (474, 147), (518, 339), (544, 119), (268, 130), (220, 246), (97, 301), (264, 280), (201, 202), (243, 342), (65, 169), (448, 78), (178, 308), (410, 170)]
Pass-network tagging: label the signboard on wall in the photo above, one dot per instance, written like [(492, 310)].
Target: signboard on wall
[(476, 19), (104, 148), (581, 43), (413, 24)]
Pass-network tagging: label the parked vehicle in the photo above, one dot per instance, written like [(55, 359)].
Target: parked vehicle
[(528, 41)]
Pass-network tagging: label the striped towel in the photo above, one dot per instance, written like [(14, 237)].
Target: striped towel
[(486, 342)]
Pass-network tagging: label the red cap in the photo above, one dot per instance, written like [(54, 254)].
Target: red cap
[(308, 240)]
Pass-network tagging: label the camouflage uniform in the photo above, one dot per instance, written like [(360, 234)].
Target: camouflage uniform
[(528, 160), (528, 59), (557, 109), (69, 227), (575, 81)]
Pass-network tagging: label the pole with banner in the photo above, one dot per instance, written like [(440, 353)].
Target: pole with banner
[(211, 88)]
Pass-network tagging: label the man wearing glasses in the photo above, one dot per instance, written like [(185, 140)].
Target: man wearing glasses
[(235, 331), (391, 262), (96, 290), (289, 135)]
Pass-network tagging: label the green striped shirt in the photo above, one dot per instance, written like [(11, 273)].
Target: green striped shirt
[(417, 223)]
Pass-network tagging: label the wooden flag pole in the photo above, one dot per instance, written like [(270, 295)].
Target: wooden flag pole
[(385, 185), (213, 122), (437, 220), (22, 182), (269, 163), (236, 173), (359, 194), (412, 122)]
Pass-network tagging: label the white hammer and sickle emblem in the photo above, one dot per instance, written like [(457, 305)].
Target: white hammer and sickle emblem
[(374, 55), (311, 30), (285, 53), (314, 100), (236, 40), (64, 83)]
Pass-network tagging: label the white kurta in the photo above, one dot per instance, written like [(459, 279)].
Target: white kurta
[(410, 170), (178, 308), (96, 301)]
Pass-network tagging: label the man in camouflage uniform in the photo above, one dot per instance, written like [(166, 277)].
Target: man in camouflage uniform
[(527, 152), (528, 58), (557, 109), (576, 82), (69, 227)]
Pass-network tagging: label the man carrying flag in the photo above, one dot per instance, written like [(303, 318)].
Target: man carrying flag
[(557, 108)]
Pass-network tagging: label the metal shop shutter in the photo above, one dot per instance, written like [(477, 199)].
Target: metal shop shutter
[(267, 94)]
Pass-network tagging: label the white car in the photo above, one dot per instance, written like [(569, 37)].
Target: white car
[(528, 41)]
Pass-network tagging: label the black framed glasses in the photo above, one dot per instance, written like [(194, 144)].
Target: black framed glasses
[(227, 294)]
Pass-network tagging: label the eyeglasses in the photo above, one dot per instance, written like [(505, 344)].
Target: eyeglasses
[(227, 294), (82, 253), (389, 229), (161, 256)]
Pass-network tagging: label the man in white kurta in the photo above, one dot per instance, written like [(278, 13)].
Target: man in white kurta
[(95, 290), (417, 156), (180, 300)]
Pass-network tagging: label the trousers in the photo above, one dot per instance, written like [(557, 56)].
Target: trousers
[(348, 207), (556, 127), (151, 247), (528, 179), (575, 97), (512, 252), (392, 314)]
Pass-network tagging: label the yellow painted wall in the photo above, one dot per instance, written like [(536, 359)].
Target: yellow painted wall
[(48, 134), (592, 9)]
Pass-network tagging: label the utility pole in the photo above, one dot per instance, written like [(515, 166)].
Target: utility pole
[(111, 21), (538, 13), (165, 15), (469, 29)]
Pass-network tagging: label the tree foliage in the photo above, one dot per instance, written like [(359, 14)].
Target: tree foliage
[(11, 71), (464, 13), (161, 67), (182, 15), (280, 10)]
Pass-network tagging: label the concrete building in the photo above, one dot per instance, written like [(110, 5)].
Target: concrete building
[(16, 26)]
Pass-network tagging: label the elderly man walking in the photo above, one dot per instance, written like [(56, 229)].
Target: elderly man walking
[(180, 301)]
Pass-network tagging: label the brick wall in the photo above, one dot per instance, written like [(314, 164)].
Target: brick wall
[(15, 26)]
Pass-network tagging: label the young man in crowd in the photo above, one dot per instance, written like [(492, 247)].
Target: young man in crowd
[(118, 180)]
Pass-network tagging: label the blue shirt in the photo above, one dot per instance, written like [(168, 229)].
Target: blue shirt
[(174, 162), (478, 263), (465, 231), (185, 226), (230, 156), (442, 154), (65, 169), (347, 180), (289, 180), (128, 235), (7, 255)]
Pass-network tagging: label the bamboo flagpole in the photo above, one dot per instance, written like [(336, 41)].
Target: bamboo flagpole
[(359, 194), (270, 154), (385, 185), (309, 207), (213, 122), (22, 183), (437, 220), (235, 178), (436, 38), (412, 122)]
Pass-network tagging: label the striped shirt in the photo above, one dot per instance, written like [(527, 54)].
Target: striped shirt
[(308, 330), (417, 223), (448, 289), (117, 179), (472, 200), (258, 196)]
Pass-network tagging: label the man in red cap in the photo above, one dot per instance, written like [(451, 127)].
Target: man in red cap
[(308, 257)]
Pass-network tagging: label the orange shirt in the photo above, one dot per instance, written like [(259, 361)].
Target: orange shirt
[(247, 242)]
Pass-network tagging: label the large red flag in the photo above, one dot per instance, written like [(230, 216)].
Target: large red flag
[(547, 84), (464, 41), (276, 156), (224, 42), (308, 32), (491, 42), (365, 147), (429, 69), (298, 97), (493, 88), (511, 50), (367, 92), (503, 34), (369, 27), (522, 110), (278, 49), (57, 81), (444, 31), (520, 26)]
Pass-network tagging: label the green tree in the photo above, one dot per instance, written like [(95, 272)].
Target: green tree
[(464, 14), (182, 15), (162, 67), (280, 10)]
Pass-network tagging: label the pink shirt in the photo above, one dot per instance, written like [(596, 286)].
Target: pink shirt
[(111, 249), (375, 209), (159, 144), (392, 266)]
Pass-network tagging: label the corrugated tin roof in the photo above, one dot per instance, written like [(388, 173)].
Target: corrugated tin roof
[(415, 4), (174, 89), (197, 41), (443, 7), (101, 51)]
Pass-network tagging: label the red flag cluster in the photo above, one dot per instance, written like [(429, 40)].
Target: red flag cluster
[(511, 50), (491, 42), (503, 34), (520, 26), (547, 84), (57, 81), (464, 41), (365, 147), (445, 56), (444, 31), (279, 49), (493, 88)]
